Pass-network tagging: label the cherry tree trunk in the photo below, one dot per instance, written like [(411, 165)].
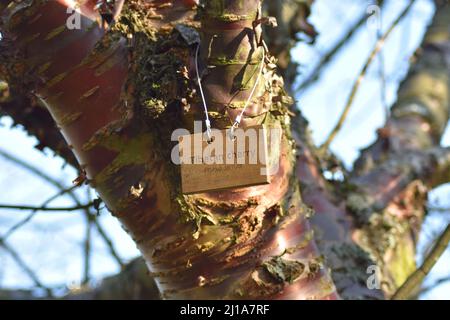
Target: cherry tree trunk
[(117, 95)]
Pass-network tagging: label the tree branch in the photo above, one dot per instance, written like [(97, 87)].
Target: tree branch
[(362, 74), (16, 257), (387, 190), (37, 121), (32, 169), (44, 208), (21, 223), (291, 18), (434, 285), (109, 244), (418, 276), (132, 283), (329, 55)]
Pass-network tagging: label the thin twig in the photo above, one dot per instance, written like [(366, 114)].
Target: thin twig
[(439, 209), (90, 217), (109, 243), (36, 171), (39, 173), (33, 213), (381, 71), (356, 85), (44, 208), (414, 280), (87, 242), (16, 257), (87, 252), (326, 58), (435, 284)]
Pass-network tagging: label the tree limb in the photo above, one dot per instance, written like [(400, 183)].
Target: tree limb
[(44, 208), (417, 277), (329, 55)]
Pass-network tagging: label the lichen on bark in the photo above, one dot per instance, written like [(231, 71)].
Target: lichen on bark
[(139, 87)]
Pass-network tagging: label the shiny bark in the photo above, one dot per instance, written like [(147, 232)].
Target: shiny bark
[(245, 243)]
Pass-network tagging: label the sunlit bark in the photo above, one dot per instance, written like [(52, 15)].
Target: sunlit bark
[(245, 243), (116, 96)]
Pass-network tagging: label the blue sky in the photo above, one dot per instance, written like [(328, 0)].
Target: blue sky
[(52, 243)]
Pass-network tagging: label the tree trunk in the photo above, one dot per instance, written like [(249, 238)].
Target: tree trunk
[(118, 95), (243, 243)]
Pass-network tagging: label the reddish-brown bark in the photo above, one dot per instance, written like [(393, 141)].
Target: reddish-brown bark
[(230, 244), (242, 258)]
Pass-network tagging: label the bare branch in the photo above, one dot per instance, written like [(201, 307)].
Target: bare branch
[(291, 18), (109, 243), (87, 250), (439, 209), (24, 266), (417, 277), (373, 54), (328, 56), (435, 284), (33, 213), (44, 208), (29, 167), (380, 186), (90, 217)]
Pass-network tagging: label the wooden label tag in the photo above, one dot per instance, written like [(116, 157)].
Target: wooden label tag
[(224, 162)]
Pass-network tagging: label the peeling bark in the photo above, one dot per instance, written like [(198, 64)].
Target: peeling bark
[(256, 242), (244, 243)]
